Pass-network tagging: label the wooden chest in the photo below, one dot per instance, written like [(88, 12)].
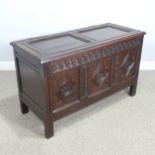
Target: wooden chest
[(62, 73)]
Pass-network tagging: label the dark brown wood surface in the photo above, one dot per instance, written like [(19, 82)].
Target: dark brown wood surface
[(62, 73)]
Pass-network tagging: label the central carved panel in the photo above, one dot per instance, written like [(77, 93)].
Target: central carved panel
[(99, 73)]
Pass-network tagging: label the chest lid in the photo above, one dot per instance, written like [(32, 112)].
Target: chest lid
[(51, 47)]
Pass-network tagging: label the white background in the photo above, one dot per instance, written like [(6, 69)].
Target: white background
[(21, 19)]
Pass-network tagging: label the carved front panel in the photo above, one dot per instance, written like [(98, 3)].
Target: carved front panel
[(86, 74), (126, 64), (65, 87), (99, 75)]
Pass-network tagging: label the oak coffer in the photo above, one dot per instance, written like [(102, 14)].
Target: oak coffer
[(62, 73)]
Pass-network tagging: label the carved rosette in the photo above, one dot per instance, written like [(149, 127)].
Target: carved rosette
[(80, 59)]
